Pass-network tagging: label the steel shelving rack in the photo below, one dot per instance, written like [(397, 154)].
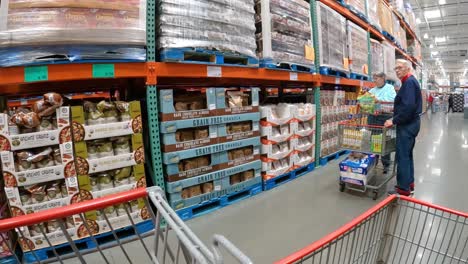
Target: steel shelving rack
[(22, 79)]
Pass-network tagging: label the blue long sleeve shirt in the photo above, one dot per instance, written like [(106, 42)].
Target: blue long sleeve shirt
[(408, 102)]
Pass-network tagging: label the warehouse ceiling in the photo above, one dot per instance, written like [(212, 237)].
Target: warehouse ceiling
[(444, 33)]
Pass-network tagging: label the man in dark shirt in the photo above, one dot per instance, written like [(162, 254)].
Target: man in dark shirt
[(406, 116)]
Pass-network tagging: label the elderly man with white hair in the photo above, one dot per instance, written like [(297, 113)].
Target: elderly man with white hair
[(406, 116)]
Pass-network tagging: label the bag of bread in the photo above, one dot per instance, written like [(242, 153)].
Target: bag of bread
[(236, 128), (185, 193), (234, 99), (203, 161), (54, 99), (201, 133), (207, 187), (248, 151), (186, 135), (198, 104), (190, 164), (195, 190), (237, 154), (247, 175), (235, 179), (246, 126)]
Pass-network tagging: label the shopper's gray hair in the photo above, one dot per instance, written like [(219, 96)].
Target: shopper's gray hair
[(405, 62), (380, 74)]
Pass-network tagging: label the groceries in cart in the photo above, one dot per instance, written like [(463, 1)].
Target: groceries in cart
[(367, 103), (355, 168)]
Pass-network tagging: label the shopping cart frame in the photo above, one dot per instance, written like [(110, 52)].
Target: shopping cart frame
[(372, 172), (387, 212), (165, 219)]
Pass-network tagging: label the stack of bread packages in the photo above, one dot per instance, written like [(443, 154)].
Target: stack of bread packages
[(211, 145), (332, 38), (214, 25), (284, 32), (69, 30)]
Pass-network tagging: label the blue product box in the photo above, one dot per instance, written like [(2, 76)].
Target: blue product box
[(355, 171), (241, 127), (245, 153), (179, 204), (246, 99), (220, 179), (192, 167), (189, 107), (189, 138)]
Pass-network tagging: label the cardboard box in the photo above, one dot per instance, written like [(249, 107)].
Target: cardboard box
[(236, 101), (250, 149), (357, 48), (355, 171), (83, 131), (303, 128), (36, 139), (176, 171), (385, 17), (304, 158), (272, 168), (189, 138), (86, 165), (275, 115), (176, 187), (200, 199), (277, 150), (276, 133), (197, 103), (304, 143)]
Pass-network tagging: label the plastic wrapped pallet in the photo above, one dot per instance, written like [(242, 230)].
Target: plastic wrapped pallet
[(403, 39), (373, 13), (389, 61), (33, 30), (332, 38), (385, 17), (357, 48), (396, 28), (284, 32), (222, 25), (377, 56), (357, 6)]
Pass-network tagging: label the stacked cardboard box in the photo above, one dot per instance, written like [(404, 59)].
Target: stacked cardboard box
[(210, 142), (377, 56), (357, 48), (385, 17)]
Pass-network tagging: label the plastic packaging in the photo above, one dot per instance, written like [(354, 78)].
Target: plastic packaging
[(284, 31), (377, 56), (389, 61), (358, 49), (332, 38), (28, 29), (221, 25), (373, 12)]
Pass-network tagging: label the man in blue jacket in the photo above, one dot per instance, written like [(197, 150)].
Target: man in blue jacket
[(406, 116)]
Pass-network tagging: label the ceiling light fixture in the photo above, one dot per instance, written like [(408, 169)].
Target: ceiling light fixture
[(442, 2), (433, 53), (426, 36), (432, 14), (418, 20), (440, 39), (464, 73), (431, 46)]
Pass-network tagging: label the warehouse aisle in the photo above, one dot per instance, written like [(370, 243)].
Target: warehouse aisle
[(278, 222)]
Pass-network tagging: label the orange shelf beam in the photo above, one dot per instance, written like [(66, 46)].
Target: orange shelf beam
[(70, 72)]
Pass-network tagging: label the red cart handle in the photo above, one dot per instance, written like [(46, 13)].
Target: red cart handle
[(73, 209)]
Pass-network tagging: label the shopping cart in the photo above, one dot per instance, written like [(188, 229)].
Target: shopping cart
[(397, 230), (171, 241), (365, 133)]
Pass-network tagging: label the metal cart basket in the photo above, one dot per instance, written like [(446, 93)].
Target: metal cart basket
[(398, 230), (171, 240), (365, 133)]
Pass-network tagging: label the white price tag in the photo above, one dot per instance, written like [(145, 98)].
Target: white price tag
[(337, 80), (361, 83), (212, 107), (256, 151), (293, 76), (213, 134), (214, 71), (217, 188)]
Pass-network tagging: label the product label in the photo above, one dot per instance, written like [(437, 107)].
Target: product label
[(39, 175)]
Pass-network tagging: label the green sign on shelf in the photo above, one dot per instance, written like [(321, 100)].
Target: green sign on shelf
[(36, 73), (103, 71)]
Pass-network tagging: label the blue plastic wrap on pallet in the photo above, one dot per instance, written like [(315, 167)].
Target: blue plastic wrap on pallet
[(179, 204), (169, 112), (175, 157), (222, 108), (173, 126), (173, 187), (206, 56)]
